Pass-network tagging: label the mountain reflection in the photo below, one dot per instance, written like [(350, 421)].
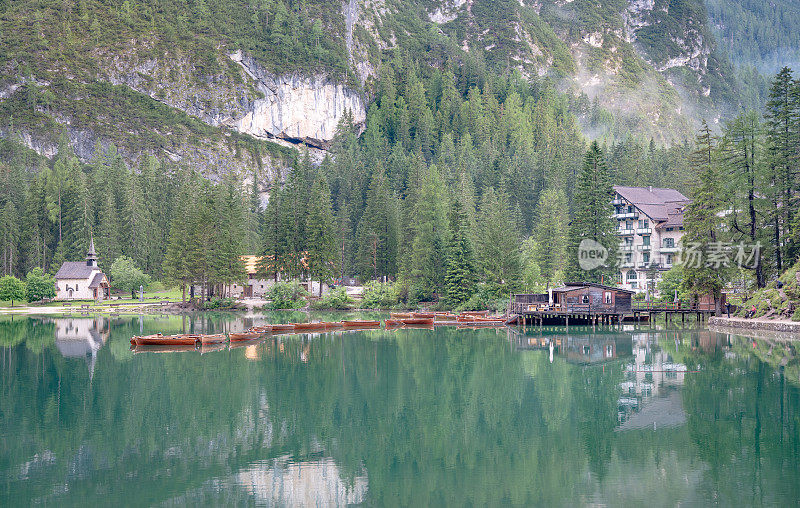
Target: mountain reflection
[(623, 415), (283, 482)]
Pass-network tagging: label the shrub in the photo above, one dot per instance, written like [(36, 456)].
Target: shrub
[(286, 295), (39, 285), (380, 295), (336, 299), (220, 303), (796, 315), (485, 298)]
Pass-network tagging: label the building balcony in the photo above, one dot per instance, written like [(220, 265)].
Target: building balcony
[(669, 250), (626, 215), (644, 247), (618, 201), (625, 232), (626, 264), (644, 231), (626, 247)]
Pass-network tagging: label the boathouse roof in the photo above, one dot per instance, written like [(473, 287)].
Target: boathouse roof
[(572, 286)]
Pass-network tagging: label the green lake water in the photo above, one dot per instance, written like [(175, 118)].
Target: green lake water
[(619, 416)]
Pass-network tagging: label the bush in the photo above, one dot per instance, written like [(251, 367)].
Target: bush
[(485, 298), (219, 303), (336, 299), (380, 295), (286, 295), (39, 285), (796, 315)]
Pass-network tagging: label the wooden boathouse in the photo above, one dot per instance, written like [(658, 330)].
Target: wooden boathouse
[(577, 302), (592, 303)]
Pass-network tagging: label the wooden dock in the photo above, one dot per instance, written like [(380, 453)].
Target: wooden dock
[(583, 314)]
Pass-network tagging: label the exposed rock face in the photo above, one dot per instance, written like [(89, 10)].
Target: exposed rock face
[(296, 108)]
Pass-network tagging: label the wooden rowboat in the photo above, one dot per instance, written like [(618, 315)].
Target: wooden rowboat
[(166, 340), (163, 349), (418, 321), (400, 315), (283, 327), (212, 338), (333, 324), (419, 327), (309, 326), (444, 317), (361, 324), (261, 329), (475, 313), (393, 323), (423, 315), (248, 335)]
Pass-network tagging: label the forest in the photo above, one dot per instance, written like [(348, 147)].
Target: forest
[(459, 185)]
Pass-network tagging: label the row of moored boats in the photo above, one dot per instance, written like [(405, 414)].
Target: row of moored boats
[(396, 320)]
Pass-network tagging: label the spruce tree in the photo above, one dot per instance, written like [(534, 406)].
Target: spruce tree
[(321, 229), (550, 233), (702, 224), (592, 218), (498, 246), (460, 271)]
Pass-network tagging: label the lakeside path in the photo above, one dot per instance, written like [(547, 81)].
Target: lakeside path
[(776, 325)]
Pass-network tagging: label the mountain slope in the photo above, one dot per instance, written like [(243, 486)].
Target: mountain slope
[(184, 76)]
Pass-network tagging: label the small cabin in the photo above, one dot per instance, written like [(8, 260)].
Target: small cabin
[(577, 297)]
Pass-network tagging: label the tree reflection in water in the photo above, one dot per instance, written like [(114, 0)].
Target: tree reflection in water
[(410, 417)]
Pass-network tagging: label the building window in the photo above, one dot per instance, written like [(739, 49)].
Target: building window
[(669, 243), (632, 275), (630, 209), (669, 259), (646, 240), (628, 258), (681, 228), (646, 258), (644, 224), (585, 299), (628, 224), (608, 297), (633, 284), (670, 229), (76, 287)]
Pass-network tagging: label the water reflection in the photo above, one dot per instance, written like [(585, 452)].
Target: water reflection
[(81, 338), (284, 482), (622, 415)]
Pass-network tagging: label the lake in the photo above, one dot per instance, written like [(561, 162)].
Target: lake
[(625, 415)]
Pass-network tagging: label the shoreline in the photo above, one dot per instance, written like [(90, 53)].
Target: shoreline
[(772, 325)]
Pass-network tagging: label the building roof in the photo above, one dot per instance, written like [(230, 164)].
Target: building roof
[(75, 270), (664, 205), (572, 286), (97, 280)]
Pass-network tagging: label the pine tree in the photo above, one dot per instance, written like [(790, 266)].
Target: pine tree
[(426, 260), (321, 229), (228, 244), (592, 218), (783, 128), (550, 233), (274, 247), (498, 245), (744, 177), (180, 249), (460, 271), (378, 230), (702, 224)]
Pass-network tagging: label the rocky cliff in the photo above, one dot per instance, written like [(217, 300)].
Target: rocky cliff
[(212, 87)]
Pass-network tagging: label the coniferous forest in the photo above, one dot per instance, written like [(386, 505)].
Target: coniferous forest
[(459, 182)]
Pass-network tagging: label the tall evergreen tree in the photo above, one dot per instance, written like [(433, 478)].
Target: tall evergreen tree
[(702, 223), (460, 270), (498, 246), (592, 218), (321, 229), (550, 233)]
